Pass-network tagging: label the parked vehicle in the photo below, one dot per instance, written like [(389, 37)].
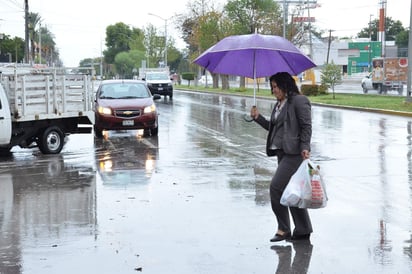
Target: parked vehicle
[(388, 74), (41, 107), (158, 81), (124, 105)]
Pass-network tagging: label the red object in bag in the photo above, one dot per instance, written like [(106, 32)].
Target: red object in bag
[(317, 191)]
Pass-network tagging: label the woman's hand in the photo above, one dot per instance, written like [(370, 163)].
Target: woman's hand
[(254, 113), (305, 154)]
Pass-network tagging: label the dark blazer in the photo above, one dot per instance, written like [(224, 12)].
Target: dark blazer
[(292, 130)]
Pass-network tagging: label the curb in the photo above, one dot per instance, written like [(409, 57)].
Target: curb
[(373, 110)]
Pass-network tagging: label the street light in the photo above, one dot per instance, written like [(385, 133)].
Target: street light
[(165, 51)]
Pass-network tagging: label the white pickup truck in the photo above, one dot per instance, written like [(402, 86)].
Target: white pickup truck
[(41, 107), (388, 73)]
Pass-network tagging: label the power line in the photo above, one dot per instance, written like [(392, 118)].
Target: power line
[(14, 3)]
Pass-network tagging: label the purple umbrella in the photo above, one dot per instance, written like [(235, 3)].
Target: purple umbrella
[(254, 56)]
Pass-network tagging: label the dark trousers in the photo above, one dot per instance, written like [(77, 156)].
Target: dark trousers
[(287, 165)]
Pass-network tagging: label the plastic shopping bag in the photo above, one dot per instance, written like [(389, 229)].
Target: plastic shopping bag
[(314, 192), (293, 193), (306, 188)]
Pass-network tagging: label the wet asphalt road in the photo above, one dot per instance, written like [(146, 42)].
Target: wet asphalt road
[(195, 199)]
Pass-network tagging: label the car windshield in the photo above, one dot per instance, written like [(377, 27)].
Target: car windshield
[(157, 76), (124, 91)]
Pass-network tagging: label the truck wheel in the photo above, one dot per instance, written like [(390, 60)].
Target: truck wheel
[(380, 89), (51, 141), (5, 151)]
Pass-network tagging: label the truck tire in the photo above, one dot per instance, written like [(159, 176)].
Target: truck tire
[(5, 151), (380, 89), (51, 141)]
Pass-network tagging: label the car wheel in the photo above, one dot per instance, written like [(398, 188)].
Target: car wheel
[(365, 90), (98, 132), (51, 141), (154, 131)]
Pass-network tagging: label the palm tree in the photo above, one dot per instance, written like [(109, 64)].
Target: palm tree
[(34, 20), (47, 47)]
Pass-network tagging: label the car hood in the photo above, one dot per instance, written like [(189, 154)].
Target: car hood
[(125, 103)]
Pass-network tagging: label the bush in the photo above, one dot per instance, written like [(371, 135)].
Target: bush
[(313, 90), (189, 76), (323, 89), (309, 90)]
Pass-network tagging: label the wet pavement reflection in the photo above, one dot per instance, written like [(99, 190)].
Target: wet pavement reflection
[(195, 199)]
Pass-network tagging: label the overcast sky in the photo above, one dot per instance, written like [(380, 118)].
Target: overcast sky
[(79, 25)]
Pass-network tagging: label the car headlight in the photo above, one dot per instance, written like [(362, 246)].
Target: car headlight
[(149, 109), (103, 110)]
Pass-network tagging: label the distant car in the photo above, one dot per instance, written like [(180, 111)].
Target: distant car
[(124, 105), (159, 83)]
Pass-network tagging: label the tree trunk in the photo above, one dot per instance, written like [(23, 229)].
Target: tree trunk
[(215, 78), (225, 82), (242, 83)]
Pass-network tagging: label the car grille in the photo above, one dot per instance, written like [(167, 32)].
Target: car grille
[(160, 85), (127, 113)]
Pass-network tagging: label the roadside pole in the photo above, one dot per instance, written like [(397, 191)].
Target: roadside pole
[(408, 86)]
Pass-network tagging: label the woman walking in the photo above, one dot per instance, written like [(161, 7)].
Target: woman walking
[(289, 135)]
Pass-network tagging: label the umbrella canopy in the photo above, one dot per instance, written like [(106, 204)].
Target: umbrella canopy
[(254, 56)]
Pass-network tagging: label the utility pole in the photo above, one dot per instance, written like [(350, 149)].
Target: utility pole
[(165, 50), (40, 43), (286, 9), (329, 42), (370, 42), (382, 26), (26, 31), (408, 86)]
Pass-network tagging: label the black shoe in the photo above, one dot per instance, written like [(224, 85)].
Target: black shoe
[(300, 237), (279, 237)]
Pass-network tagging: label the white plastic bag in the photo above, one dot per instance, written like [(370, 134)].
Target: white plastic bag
[(306, 188), (293, 193), (314, 193)]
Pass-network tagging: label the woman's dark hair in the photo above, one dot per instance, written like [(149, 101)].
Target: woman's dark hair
[(285, 82)]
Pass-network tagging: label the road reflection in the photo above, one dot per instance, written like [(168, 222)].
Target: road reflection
[(125, 158), (43, 201), (301, 259)]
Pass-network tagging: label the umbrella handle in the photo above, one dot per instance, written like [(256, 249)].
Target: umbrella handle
[(247, 117)]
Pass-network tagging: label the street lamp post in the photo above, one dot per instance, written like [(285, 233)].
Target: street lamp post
[(370, 42), (165, 50)]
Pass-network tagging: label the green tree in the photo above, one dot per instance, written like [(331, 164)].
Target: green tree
[(248, 16), (402, 39), (124, 64), (392, 29), (331, 75), (118, 39), (154, 45), (14, 47)]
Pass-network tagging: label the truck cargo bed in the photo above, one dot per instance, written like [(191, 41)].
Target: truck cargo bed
[(49, 96)]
